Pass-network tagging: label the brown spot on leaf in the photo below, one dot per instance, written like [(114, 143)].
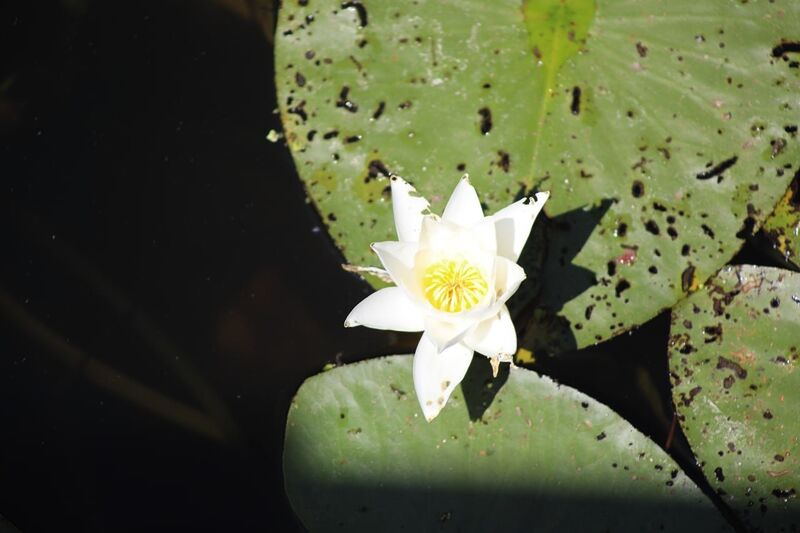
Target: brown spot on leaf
[(486, 120)]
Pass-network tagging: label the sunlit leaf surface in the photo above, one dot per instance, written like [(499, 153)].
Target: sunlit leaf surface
[(512, 453), (662, 129), (665, 144), (423, 91)]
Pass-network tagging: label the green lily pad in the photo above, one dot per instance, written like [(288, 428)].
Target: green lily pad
[(782, 229), (371, 88), (734, 356), (519, 452), (675, 114), (659, 128)]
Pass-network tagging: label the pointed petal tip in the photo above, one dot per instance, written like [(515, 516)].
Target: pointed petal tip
[(431, 411), (389, 309), (408, 207), (437, 374), (537, 198), (464, 207), (349, 321)]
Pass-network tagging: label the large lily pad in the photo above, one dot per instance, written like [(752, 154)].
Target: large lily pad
[(734, 353), (369, 88), (675, 114), (516, 453), (659, 127)]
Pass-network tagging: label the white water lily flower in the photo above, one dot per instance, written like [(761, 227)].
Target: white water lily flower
[(453, 276)]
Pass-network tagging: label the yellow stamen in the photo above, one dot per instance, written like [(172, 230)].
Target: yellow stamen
[(453, 285)]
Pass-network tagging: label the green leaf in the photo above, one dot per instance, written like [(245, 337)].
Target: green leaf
[(659, 128), (782, 228), (367, 88), (674, 113), (734, 353), (517, 452)]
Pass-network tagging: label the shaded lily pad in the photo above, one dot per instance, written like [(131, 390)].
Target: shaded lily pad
[(734, 356), (675, 114), (506, 454), (6, 526)]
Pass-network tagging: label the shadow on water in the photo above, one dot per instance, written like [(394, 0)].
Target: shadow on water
[(165, 288)]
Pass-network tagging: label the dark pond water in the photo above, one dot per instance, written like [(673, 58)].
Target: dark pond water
[(165, 287)]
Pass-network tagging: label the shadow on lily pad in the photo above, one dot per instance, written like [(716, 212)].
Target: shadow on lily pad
[(546, 332), (480, 388), (389, 507)]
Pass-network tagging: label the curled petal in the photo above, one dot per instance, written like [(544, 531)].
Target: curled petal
[(436, 374), (484, 234), (444, 334), (494, 337), (464, 207), (387, 308), (409, 208), (437, 234), (398, 260), (513, 224), (508, 277), (441, 238)]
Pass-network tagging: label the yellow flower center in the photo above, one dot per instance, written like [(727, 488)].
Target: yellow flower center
[(453, 285)]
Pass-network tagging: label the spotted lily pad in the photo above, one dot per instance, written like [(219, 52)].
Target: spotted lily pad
[(509, 454), (664, 144), (372, 88), (781, 231), (660, 129), (734, 357)]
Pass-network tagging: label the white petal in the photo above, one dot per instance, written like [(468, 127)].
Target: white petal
[(437, 234), (484, 234), (445, 239), (408, 207), (508, 277), (397, 254), (398, 259), (494, 337), (445, 333), (387, 308), (464, 207), (436, 374), (513, 224)]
